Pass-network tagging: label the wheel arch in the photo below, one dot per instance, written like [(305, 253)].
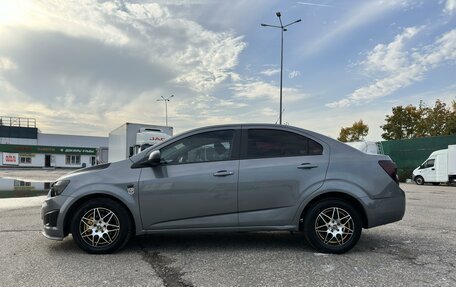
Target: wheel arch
[(336, 195), (75, 205)]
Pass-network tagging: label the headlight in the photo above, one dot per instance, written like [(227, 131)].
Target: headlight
[(58, 187)]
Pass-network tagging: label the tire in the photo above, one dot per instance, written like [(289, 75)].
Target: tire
[(419, 180), (109, 231), (325, 231)]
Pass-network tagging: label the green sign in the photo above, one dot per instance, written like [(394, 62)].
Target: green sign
[(47, 149)]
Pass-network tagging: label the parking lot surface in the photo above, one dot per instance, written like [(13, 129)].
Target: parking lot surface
[(417, 251)]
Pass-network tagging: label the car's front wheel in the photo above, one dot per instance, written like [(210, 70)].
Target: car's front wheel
[(101, 226), (419, 180), (332, 226)]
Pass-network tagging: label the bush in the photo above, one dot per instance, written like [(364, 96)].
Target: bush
[(405, 173)]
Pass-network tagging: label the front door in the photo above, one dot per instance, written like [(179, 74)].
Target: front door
[(428, 171), (196, 184), (47, 160)]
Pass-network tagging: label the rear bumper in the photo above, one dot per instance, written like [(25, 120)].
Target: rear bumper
[(384, 210)]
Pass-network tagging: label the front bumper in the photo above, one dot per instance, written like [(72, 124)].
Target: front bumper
[(52, 217), (51, 237)]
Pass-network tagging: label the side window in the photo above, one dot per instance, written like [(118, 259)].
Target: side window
[(429, 163), (264, 143), (203, 147)]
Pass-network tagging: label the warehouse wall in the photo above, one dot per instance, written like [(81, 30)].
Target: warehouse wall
[(60, 161), (72, 140)]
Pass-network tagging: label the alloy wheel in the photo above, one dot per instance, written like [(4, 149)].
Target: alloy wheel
[(334, 226), (99, 227)]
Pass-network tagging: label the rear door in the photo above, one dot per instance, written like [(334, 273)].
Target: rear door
[(277, 168)]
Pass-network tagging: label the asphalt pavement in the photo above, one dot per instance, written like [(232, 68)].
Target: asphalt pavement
[(420, 250)]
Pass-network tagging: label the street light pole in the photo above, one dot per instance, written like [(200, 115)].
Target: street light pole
[(282, 29), (281, 71), (166, 100)]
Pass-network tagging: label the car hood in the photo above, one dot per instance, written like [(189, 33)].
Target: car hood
[(91, 168), (100, 169)]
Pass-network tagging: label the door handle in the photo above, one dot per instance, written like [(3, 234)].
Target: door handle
[(223, 173), (307, 165), (432, 168)]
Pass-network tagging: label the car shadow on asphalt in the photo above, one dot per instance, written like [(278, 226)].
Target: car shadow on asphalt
[(67, 245), (214, 242), (233, 242), (223, 242)]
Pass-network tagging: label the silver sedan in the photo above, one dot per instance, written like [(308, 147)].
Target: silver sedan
[(249, 177)]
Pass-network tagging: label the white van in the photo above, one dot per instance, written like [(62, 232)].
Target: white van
[(440, 167)]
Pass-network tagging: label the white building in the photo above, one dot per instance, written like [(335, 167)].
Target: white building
[(23, 145)]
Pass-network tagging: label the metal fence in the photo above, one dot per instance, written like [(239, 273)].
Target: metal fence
[(17, 122)]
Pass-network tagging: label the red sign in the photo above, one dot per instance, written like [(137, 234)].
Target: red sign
[(10, 158)]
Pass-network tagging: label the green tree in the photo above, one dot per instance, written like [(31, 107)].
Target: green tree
[(439, 120), (404, 123), (412, 122), (356, 132), (451, 124)]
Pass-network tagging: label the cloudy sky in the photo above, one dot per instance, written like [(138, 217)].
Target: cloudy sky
[(87, 66)]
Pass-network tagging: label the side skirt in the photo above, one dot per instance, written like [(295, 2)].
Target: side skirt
[(222, 229)]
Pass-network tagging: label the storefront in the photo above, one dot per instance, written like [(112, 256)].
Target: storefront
[(46, 156)]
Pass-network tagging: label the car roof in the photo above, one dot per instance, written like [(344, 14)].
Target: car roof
[(261, 125)]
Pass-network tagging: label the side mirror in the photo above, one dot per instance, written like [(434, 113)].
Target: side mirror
[(154, 158)]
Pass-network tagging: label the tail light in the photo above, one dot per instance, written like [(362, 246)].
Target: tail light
[(390, 168)]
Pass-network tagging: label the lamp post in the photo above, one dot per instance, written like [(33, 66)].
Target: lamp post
[(166, 100), (282, 29)]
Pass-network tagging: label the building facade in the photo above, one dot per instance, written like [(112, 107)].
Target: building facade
[(23, 145)]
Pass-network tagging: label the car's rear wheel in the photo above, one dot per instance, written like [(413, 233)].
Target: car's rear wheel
[(419, 180), (332, 226), (101, 226)]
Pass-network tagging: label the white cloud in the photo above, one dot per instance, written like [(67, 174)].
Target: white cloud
[(270, 72), (391, 57), (208, 67), (235, 77), (358, 17), (400, 67), (313, 4), (6, 64), (100, 64), (269, 112), (450, 7), (294, 74), (256, 89), (259, 90)]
